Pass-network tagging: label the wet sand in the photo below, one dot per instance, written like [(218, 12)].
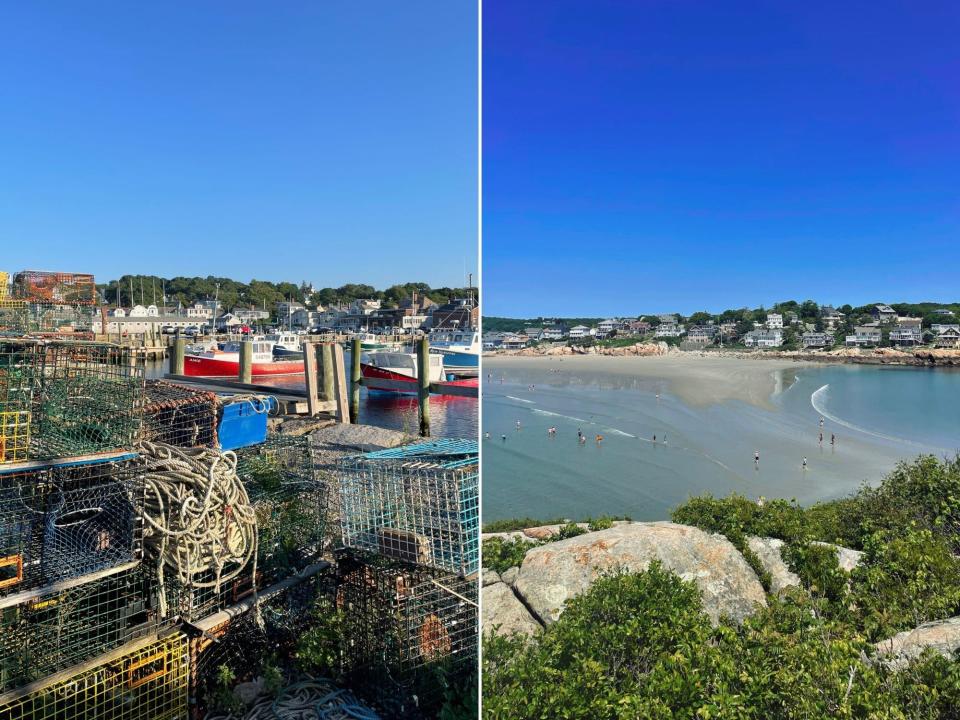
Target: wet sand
[(697, 380)]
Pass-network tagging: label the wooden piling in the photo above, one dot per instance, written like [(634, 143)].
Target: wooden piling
[(246, 361), (355, 377), (341, 401), (423, 377), (310, 376), (176, 356), (328, 379)]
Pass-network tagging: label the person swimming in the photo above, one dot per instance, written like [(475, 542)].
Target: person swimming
[(487, 435), (503, 438)]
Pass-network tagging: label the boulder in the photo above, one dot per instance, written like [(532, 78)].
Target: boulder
[(847, 558), (503, 613), (510, 576), (553, 573), (489, 577), (768, 550), (542, 532), (943, 636)]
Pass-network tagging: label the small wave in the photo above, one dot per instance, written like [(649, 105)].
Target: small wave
[(619, 432), (531, 402), (566, 417), (817, 400)]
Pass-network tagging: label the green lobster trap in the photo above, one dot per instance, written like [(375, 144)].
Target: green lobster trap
[(63, 399), (147, 681), (179, 415)]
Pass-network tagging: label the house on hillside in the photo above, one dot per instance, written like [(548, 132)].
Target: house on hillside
[(668, 330), (884, 313), (944, 312), (763, 338), (774, 321), (535, 334), (579, 331), (638, 326), (812, 340), (908, 331), (864, 336), (554, 332), (605, 328), (702, 334), (514, 342), (668, 319), (948, 337), (831, 316)]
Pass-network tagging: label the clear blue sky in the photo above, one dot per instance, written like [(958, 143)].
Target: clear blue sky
[(678, 156), (331, 141)]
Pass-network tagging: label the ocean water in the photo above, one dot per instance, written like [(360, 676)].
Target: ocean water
[(879, 416)]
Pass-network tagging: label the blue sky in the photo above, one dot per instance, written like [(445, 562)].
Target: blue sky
[(678, 156), (330, 141)]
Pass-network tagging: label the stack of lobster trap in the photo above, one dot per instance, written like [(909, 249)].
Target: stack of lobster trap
[(72, 594), (407, 584), (48, 304)]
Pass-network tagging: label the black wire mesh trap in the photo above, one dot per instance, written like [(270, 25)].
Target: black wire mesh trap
[(403, 617), (254, 646), (418, 503), (62, 399), (290, 501), (179, 415), (149, 683), (60, 629), (64, 521)]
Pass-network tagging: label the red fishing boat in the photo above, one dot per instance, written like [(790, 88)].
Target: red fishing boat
[(225, 362), (397, 366)]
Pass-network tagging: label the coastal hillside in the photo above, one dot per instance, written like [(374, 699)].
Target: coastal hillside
[(735, 609)]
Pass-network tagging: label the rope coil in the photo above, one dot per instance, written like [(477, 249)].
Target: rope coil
[(200, 525)]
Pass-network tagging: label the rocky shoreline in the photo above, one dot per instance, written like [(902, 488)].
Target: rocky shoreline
[(529, 598), (920, 357)]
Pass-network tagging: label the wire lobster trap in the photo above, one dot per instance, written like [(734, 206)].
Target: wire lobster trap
[(149, 681), (405, 618), (417, 503), (55, 287), (249, 644), (290, 501), (56, 630), (179, 415), (63, 399), (64, 521)]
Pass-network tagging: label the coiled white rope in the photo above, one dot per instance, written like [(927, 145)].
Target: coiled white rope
[(200, 525), (307, 700)]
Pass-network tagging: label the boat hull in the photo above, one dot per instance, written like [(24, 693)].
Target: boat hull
[(196, 366), (371, 376), (453, 359)]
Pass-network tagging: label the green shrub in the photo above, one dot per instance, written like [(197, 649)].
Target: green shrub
[(905, 580), (570, 530), (601, 523), (819, 570), (501, 555)]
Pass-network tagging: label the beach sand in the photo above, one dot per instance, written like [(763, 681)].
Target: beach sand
[(698, 380)]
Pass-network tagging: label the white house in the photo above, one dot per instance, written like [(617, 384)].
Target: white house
[(200, 312), (553, 332), (668, 330), (364, 306), (816, 340), (865, 336), (763, 338), (774, 321), (579, 331), (607, 327)]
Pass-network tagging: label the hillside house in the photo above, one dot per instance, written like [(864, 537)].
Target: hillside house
[(884, 313), (774, 321), (763, 338), (668, 330), (813, 340), (948, 338), (864, 336)]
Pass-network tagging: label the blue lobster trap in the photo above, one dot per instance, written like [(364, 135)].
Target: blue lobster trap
[(418, 503)]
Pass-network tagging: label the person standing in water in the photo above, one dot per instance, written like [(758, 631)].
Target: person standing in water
[(833, 438), (756, 458), (804, 463)]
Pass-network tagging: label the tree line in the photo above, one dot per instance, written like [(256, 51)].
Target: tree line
[(131, 290)]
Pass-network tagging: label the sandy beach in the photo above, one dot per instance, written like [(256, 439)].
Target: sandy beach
[(697, 380)]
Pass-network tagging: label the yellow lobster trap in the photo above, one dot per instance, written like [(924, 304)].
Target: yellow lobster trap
[(14, 435), (146, 680)]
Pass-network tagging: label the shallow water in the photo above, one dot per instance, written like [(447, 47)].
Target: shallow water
[(879, 416)]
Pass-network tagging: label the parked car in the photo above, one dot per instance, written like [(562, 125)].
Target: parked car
[(168, 330), (191, 331)]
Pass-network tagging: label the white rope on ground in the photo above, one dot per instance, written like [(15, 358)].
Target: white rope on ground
[(307, 700), (199, 520)]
